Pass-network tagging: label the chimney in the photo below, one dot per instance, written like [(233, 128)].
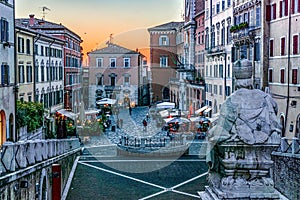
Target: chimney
[(31, 20)]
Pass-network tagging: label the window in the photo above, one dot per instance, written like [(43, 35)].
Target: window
[(42, 50), (163, 41), (227, 90), (257, 19), (220, 71), (228, 3), (4, 30), (223, 35), (126, 62), (113, 81), (213, 38), (126, 80), (223, 4), (112, 62), (271, 48), (281, 75), (215, 71), (20, 45), (29, 73), (270, 75), (163, 60), (257, 51), (5, 74), (42, 72), (215, 89), (286, 9), (251, 18), (221, 90), (100, 80), (295, 44), (99, 62), (36, 72), (294, 76), (282, 46), (21, 73), (273, 11), (218, 8), (295, 6), (28, 46), (280, 9), (36, 49)]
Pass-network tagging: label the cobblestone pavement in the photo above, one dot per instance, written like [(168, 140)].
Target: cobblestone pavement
[(132, 126)]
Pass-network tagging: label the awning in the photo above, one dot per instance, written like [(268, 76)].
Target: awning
[(91, 112), (165, 105), (164, 113), (207, 110), (106, 101), (201, 110), (67, 114)]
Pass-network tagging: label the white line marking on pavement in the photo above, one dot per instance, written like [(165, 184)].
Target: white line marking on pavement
[(122, 175), (66, 190), (186, 194), (185, 182)]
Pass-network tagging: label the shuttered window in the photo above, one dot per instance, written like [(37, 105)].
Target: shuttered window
[(282, 46), (294, 76), (4, 74), (271, 48), (295, 44)]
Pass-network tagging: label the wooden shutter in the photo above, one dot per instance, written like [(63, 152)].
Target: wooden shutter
[(282, 46), (282, 76), (271, 48), (295, 44), (270, 75), (292, 6), (280, 9), (268, 12), (294, 76), (286, 7), (274, 11)]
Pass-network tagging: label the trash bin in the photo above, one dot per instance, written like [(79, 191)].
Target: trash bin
[(113, 128)]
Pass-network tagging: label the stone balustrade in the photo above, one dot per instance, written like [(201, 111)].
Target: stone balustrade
[(22, 154)]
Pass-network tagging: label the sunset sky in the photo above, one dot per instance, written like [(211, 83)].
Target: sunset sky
[(95, 20)]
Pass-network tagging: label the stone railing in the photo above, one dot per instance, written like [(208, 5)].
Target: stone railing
[(152, 143), (291, 146), (22, 154)]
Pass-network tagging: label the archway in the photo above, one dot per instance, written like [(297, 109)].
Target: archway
[(2, 127), (282, 124)]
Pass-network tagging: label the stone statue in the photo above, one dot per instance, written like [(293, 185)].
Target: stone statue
[(240, 144)]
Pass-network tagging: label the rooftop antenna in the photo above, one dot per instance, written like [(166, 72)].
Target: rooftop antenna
[(44, 9)]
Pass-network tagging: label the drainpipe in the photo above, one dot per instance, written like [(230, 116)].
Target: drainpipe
[(288, 72), (34, 66), (15, 87)]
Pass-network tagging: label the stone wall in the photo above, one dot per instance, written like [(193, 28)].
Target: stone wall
[(34, 180), (287, 174)]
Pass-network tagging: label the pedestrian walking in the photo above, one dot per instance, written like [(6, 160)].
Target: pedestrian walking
[(145, 124), (147, 116), (130, 110)]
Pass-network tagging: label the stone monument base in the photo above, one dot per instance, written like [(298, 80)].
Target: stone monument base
[(215, 194)]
